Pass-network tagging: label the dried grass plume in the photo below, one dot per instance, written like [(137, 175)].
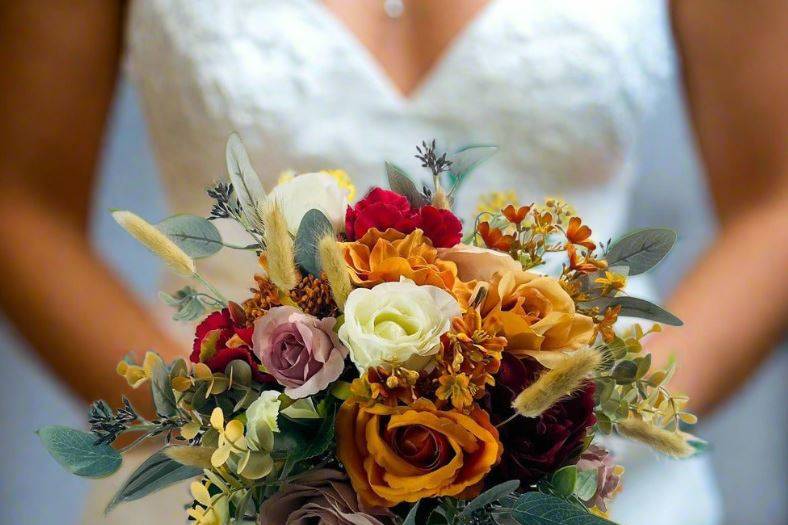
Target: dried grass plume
[(668, 442), (279, 247), (333, 264), (155, 241), (553, 385)]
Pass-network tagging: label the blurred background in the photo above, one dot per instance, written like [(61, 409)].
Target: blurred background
[(751, 465)]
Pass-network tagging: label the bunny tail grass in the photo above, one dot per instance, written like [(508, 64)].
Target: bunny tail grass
[(155, 241), (279, 247), (333, 264), (668, 442), (561, 381)]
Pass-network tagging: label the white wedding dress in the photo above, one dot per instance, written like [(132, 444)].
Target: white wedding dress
[(560, 86)]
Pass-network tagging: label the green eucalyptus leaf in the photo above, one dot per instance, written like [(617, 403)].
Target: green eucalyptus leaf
[(644, 364), (468, 158), (196, 236), (161, 387), (245, 181), (187, 304), (154, 474), (641, 250), (77, 452), (399, 182), (624, 372), (410, 519), (563, 480), (303, 442), (640, 308), (585, 486), (314, 226), (537, 508), (491, 495)]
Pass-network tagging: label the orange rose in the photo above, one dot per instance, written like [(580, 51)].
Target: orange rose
[(538, 316), (405, 453), (379, 257)]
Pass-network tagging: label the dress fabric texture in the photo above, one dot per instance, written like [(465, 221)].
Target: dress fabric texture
[(561, 87)]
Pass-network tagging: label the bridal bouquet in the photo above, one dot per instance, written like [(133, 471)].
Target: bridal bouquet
[(386, 369)]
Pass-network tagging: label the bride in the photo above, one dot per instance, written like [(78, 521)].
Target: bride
[(562, 87)]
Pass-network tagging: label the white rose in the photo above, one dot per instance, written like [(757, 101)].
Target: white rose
[(309, 191), (396, 324)]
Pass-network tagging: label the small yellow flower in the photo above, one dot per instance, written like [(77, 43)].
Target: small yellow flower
[(457, 388), (611, 282), (211, 510), (231, 438), (495, 201), (137, 375)]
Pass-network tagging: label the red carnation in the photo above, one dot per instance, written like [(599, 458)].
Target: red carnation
[(442, 227), (383, 209), (534, 447), (220, 339)]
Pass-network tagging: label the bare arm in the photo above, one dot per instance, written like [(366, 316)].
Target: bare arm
[(735, 301), (59, 66)]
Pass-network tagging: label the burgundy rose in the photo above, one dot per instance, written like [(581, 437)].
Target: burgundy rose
[(383, 209), (534, 447), (301, 351), (220, 339), (442, 227)]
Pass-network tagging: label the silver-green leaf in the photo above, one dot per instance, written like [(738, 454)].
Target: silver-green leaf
[(468, 158), (77, 452), (640, 308), (161, 387), (537, 508), (155, 473), (585, 486), (314, 226), (641, 250), (410, 519), (246, 183), (489, 496), (399, 182), (196, 236)]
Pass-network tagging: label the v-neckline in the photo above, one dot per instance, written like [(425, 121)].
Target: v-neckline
[(376, 67)]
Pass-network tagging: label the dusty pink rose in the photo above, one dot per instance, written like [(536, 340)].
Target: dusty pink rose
[(320, 497), (608, 475), (300, 351)]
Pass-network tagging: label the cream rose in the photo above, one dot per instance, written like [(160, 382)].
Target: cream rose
[(474, 263), (309, 191), (397, 323)]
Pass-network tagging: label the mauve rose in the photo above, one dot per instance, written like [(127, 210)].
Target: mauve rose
[(320, 497), (534, 447), (300, 351), (608, 475)]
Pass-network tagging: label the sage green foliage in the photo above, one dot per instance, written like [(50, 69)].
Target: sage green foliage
[(585, 485), (77, 452), (399, 182), (640, 308), (189, 304), (196, 236), (466, 159), (537, 508), (314, 226), (490, 496), (161, 387), (641, 250), (154, 474), (300, 442)]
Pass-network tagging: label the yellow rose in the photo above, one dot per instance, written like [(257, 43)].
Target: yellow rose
[(538, 316)]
